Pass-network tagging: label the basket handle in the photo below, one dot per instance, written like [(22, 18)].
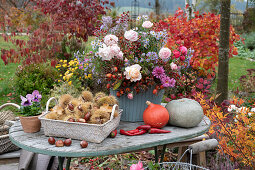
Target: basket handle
[(115, 107), (9, 104), (48, 103)]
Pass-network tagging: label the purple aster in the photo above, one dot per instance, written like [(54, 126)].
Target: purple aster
[(167, 81), (36, 96), (26, 101), (158, 72)]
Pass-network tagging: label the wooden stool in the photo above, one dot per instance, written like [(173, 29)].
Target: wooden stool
[(183, 146)]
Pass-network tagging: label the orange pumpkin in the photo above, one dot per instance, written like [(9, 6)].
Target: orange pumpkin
[(155, 115)]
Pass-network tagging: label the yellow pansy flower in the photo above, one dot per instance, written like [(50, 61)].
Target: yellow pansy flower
[(70, 82)]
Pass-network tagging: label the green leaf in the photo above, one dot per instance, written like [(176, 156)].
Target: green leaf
[(117, 85)]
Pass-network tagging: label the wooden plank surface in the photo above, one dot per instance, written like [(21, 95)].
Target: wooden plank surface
[(38, 142)]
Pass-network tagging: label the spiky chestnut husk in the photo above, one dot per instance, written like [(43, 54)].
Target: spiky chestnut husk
[(68, 117), (81, 110), (98, 96), (111, 100), (86, 96), (52, 115), (64, 100), (99, 117), (75, 102)]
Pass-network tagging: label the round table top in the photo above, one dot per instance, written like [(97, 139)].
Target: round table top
[(38, 142)]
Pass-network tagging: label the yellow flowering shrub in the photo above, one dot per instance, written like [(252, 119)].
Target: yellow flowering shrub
[(73, 71)]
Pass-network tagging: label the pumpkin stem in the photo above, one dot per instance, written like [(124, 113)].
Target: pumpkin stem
[(148, 103)]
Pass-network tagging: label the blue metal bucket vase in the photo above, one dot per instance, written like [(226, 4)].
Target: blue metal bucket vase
[(133, 108)]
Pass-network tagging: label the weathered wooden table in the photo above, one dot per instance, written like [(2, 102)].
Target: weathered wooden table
[(38, 142)]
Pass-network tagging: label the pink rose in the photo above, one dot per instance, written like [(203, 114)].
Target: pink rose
[(130, 96), (120, 55), (138, 166), (164, 53), (105, 53), (173, 66), (183, 50), (147, 24), (110, 40), (115, 49), (131, 35), (176, 53)]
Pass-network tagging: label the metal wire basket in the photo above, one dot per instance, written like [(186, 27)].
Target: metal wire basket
[(178, 165)]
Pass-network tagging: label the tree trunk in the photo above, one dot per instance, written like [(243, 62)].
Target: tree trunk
[(222, 84), (157, 7)]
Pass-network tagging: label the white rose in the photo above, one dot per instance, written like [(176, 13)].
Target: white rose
[(147, 24), (164, 53), (131, 35), (253, 110), (105, 53), (133, 72), (110, 40)]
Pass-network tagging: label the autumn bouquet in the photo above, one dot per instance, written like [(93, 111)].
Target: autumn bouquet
[(132, 60)]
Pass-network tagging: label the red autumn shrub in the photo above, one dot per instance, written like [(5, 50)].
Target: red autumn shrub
[(70, 19), (201, 33)]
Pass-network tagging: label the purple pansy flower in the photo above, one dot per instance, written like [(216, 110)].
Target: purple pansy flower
[(167, 81), (36, 96), (26, 101), (158, 72)]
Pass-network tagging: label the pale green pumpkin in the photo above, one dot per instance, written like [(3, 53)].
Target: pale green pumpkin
[(184, 113)]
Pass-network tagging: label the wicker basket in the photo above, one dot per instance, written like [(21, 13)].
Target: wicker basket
[(83, 131), (5, 144)]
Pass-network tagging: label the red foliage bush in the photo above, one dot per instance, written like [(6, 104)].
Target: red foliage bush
[(67, 18), (201, 33)]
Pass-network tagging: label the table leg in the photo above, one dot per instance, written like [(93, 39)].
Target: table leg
[(156, 154), (68, 163), (163, 153), (60, 162)]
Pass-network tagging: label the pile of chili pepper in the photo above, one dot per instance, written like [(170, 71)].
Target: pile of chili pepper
[(142, 130)]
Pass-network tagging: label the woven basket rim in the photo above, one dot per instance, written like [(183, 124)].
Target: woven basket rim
[(42, 117), (4, 136)]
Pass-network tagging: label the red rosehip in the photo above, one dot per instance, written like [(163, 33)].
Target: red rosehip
[(109, 75), (155, 91), (113, 76), (118, 94), (108, 86), (115, 69)]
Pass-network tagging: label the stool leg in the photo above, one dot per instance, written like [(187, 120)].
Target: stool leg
[(156, 154), (68, 163), (202, 159), (60, 162), (181, 150)]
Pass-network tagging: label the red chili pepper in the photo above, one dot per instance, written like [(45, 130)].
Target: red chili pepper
[(113, 134), (155, 130), (123, 132), (144, 127), (133, 131)]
